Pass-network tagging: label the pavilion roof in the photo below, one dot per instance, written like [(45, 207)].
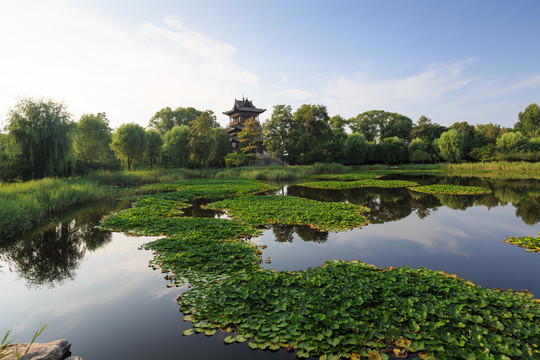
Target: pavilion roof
[(244, 106)]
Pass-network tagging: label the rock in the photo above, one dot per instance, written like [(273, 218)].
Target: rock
[(74, 358), (55, 350)]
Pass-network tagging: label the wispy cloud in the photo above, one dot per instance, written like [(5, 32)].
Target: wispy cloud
[(443, 91), (129, 70)]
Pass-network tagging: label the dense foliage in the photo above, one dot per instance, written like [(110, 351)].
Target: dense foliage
[(42, 132), (42, 140)]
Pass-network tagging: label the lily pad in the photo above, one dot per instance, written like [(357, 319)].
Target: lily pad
[(451, 189)]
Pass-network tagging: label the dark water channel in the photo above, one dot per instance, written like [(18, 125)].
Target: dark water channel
[(95, 288)]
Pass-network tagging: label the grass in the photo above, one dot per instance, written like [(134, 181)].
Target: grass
[(26, 205), (8, 343), (494, 166)]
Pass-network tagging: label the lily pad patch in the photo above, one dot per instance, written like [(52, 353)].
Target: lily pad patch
[(340, 185), (451, 189), (530, 243), (324, 216)]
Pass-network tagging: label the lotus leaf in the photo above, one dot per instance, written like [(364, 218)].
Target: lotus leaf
[(261, 210)]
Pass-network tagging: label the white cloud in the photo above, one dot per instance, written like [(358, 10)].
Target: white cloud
[(95, 63), (442, 91), (361, 92)]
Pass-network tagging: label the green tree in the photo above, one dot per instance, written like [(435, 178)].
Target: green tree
[(451, 145), (393, 150), (379, 124), (418, 151), (223, 147), (309, 135), (356, 149), (336, 145), (512, 142), (93, 138), (426, 130), (153, 150), (42, 130), (165, 119), (469, 135), (529, 121), (251, 137), (129, 143), (276, 130), (338, 123), (489, 131), (201, 141), (176, 145)]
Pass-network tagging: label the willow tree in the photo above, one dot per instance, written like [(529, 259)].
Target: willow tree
[(451, 145), (42, 131)]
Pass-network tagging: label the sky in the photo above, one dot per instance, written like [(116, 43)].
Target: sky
[(461, 60)]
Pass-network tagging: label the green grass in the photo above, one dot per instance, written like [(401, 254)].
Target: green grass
[(272, 173), (494, 166), (9, 347), (530, 243), (26, 205), (261, 210), (451, 189)]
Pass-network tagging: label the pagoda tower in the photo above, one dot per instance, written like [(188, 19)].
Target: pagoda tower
[(241, 111)]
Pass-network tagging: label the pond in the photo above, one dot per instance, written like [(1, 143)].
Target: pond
[(95, 287)]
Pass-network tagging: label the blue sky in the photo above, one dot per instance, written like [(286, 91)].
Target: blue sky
[(475, 61)]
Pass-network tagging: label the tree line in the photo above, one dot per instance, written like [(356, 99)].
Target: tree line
[(41, 139), (310, 135)]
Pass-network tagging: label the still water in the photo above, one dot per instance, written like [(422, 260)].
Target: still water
[(95, 288)]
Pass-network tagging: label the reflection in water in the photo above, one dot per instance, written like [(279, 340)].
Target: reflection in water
[(285, 233), (50, 256), (395, 204)]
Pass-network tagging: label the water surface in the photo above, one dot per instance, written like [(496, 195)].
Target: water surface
[(95, 287)]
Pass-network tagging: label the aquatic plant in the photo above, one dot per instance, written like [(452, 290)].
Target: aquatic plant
[(268, 209), (211, 189), (367, 182), (351, 309), (338, 310), (347, 176), (530, 243), (451, 189)]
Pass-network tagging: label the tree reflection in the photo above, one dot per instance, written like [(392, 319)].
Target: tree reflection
[(285, 233), (395, 204), (51, 256)]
